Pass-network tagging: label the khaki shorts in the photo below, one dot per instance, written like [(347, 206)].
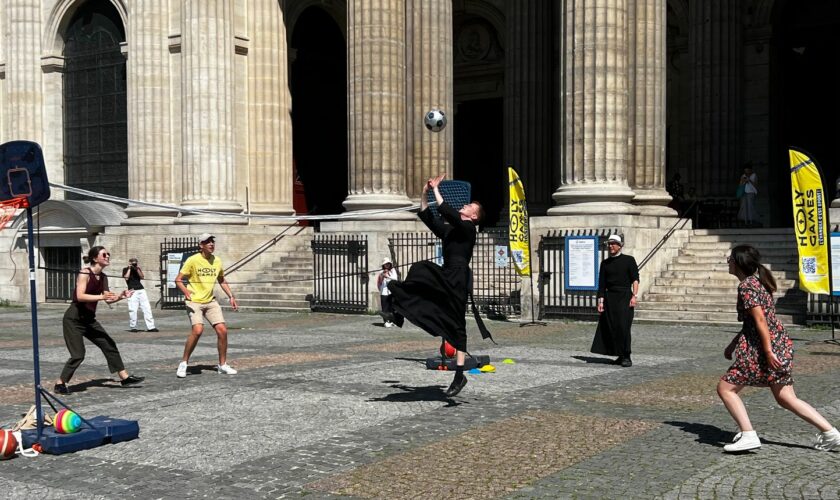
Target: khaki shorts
[(211, 310)]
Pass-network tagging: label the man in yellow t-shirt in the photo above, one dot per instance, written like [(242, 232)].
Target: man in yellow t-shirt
[(203, 270)]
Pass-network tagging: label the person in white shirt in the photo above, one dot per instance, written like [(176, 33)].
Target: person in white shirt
[(388, 273)]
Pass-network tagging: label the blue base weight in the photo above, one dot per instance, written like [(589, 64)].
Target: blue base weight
[(469, 363), (107, 430)]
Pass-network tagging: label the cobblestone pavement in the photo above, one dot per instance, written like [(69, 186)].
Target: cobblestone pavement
[(329, 406)]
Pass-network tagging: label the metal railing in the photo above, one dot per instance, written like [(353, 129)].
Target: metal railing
[(556, 301), (340, 265)]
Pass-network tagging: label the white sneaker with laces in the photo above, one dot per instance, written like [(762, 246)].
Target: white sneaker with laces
[(225, 369), (182, 370), (828, 441), (748, 441), (388, 324)]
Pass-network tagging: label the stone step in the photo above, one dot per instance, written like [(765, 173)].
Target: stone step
[(690, 264), (702, 273), (770, 254), (245, 295), (761, 246), (274, 303), (723, 282), (744, 231), (793, 296), (752, 239), (286, 288), (722, 307), (699, 317)]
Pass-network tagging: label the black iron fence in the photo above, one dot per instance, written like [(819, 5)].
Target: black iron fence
[(173, 253), (62, 267), (340, 264), (496, 286), (556, 300)]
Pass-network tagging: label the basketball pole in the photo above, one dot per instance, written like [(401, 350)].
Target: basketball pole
[(39, 414)]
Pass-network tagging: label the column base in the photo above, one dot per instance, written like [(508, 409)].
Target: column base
[(357, 202), (654, 202), (142, 215), (216, 206), (592, 199)]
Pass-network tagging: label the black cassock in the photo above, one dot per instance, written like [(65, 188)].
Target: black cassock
[(615, 284), (433, 297)]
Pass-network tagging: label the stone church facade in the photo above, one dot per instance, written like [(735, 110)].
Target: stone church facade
[(224, 105)]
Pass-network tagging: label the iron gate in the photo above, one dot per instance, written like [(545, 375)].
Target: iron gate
[(63, 264), (555, 300), (496, 286), (173, 253), (340, 264)]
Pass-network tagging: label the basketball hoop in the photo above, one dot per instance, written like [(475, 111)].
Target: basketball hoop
[(8, 208)]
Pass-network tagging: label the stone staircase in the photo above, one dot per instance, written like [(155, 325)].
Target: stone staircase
[(697, 288), (279, 280)]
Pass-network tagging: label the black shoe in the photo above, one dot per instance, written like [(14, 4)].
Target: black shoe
[(626, 363), (134, 330), (153, 330), (618, 360), (61, 389), (456, 386), (131, 380)]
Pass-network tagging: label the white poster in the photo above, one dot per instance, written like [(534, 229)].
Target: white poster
[(835, 263), (173, 265), (502, 256), (581, 257)]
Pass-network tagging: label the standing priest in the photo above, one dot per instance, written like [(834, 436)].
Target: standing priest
[(618, 284)]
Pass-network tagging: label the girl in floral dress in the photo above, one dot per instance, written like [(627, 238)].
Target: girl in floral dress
[(763, 355)]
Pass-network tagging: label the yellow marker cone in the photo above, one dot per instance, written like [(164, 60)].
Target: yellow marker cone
[(488, 368), (509, 361)]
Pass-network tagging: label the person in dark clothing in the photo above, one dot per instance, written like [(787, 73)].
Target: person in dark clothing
[(435, 298), (618, 285), (80, 320)]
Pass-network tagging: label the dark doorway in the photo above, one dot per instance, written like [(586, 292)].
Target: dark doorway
[(319, 110), (806, 79), (95, 131), (479, 138)]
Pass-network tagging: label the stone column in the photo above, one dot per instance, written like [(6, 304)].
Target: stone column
[(24, 95), (593, 168), (429, 86), (150, 129), (208, 175), (376, 104), (714, 49), (646, 152), (528, 98), (269, 108)]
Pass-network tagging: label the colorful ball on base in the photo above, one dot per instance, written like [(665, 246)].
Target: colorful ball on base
[(8, 444), (67, 422), (447, 350)]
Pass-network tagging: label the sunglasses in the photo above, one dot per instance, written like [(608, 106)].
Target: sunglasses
[(614, 243), (105, 254)]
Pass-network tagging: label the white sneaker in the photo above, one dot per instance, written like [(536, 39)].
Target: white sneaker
[(182, 370), (388, 324), (225, 369), (828, 441), (748, 441)]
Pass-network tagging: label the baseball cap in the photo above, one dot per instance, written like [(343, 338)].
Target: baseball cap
[(205, 237), (616, 238), (386, 260)]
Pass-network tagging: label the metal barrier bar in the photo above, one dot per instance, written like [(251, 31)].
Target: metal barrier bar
[(340, 264)]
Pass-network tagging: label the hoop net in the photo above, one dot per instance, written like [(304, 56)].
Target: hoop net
[(9, 208)]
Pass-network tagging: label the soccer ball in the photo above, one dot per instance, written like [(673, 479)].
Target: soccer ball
[(435, 120)]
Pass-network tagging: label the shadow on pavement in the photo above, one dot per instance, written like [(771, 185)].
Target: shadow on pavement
[(197, 369), (417, 394), (99, 382), (706, 434), (597, 361)]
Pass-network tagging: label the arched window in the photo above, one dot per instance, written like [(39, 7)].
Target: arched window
[(95, 134)]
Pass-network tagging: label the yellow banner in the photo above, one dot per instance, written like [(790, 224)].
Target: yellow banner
[(810, 221), (520, 240)]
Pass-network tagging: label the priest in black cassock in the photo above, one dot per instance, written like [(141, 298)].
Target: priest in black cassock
[(433, 297), (618, 284)]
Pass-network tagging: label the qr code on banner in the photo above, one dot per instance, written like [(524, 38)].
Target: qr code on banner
[(809, 265)]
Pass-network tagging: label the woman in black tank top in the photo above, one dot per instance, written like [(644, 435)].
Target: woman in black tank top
[(80, 323)]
